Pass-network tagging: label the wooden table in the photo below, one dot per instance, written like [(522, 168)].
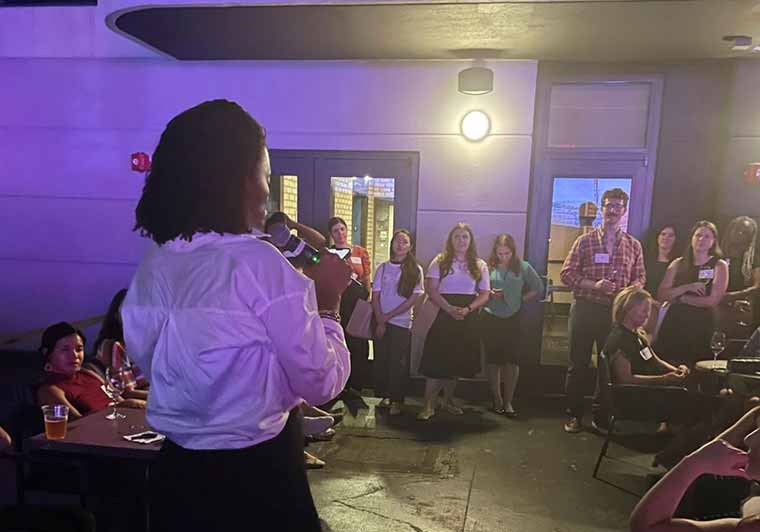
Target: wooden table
[(96, 436)]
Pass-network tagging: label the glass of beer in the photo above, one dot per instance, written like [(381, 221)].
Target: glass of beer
[(56, 417)]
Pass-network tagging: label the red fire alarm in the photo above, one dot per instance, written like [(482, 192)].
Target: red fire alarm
[(752, 174), (140, 162)]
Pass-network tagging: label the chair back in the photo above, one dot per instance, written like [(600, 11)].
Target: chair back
[(604, 382)]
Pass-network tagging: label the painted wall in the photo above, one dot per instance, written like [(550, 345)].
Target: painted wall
[(734, 196), (68, 125)]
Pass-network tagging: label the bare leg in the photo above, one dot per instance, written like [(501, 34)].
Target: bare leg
[(494, 381), (511, 376), (432, 389)]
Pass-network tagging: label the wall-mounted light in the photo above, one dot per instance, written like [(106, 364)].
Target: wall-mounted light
[(475, 126), (476, 80)]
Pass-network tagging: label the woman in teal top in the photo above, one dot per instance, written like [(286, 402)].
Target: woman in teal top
[(513, 282)]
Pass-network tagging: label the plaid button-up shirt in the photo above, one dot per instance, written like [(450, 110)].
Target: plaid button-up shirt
[(625, 266)]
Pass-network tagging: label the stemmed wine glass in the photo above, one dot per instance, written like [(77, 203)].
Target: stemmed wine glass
[(115, 384), (718, 343)]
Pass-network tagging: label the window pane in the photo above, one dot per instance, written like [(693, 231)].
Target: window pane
[(599, 115), (569, 219), (283, 195), (366, 204)]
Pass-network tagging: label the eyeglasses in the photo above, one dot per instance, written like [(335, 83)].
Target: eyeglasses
[(613, 206)]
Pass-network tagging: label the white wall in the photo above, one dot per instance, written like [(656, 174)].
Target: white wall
[(67, 127)]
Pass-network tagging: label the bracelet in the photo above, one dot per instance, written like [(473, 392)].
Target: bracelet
[(330, 315)]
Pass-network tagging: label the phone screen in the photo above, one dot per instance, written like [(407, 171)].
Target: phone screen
[(342, 253)]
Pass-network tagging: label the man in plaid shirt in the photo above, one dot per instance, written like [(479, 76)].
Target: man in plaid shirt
[(600, 264)]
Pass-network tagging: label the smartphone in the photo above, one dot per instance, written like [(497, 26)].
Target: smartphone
[(342, 253)]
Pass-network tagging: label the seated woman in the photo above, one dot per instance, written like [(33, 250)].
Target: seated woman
[(734, 453), (631, 358), (110, 353), (67, 381)]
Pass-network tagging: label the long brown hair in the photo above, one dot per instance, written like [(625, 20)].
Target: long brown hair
[(446, 259), (515, 264), (687, 259), (410, 270)]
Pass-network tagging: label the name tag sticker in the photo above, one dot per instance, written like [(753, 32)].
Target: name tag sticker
[(601, 258), (356, 260), (706, 274), (646, 353)]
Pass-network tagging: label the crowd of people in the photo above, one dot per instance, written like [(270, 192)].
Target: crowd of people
[(233, 350)]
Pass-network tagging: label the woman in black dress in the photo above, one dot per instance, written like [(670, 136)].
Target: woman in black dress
[(660, 252), (694, 284)]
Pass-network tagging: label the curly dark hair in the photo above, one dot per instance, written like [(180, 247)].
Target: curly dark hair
[(199, 172)]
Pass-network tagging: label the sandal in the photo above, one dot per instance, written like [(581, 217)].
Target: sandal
[(497, 410)]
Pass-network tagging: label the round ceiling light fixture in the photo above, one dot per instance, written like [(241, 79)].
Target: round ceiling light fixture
[(475, 126)]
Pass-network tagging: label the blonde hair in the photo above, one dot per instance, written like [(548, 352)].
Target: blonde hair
[(626, 300)]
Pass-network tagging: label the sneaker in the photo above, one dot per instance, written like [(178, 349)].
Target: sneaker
[(395, 409), (426, 414), (573, 425), (452, 409)]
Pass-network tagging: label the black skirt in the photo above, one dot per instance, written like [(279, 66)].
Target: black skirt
[(685, 334), (263, 487), (501, 338), (452, 347)]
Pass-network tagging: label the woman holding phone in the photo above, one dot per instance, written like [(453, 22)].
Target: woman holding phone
[(513, 282)]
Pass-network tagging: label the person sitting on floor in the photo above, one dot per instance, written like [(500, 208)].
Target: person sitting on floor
[(67, 379), (734, 453)]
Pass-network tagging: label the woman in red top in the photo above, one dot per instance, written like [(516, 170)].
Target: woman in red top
[(67, 381), (358, 258)]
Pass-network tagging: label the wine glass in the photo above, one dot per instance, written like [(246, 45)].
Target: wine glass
[(718, 343), (115, 384)]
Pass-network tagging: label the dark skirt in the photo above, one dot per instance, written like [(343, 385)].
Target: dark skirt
[(452, 347), (685, 335), (263, 487), (501, 338)]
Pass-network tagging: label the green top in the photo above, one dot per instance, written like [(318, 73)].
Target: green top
[(514, 286)]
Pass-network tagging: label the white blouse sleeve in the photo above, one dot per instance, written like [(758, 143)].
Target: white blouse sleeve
[(434, 271), (419, 289), (485, 276), (311, 350)]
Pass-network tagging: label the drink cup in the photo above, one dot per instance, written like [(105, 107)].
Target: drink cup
[(56, 417)]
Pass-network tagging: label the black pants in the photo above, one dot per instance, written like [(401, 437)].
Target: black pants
[(263, 487), (392, 362), (589, 323)]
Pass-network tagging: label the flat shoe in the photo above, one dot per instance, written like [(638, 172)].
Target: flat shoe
[(312, 462), (425, 414), (510, 415)]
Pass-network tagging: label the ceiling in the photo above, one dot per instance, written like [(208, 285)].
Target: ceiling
[(618, 31)]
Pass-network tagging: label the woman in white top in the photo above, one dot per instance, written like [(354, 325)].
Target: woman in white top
[(457, 282), (396, 290), (230, 335)]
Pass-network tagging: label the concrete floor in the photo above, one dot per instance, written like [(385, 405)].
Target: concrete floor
[(477, 472)]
